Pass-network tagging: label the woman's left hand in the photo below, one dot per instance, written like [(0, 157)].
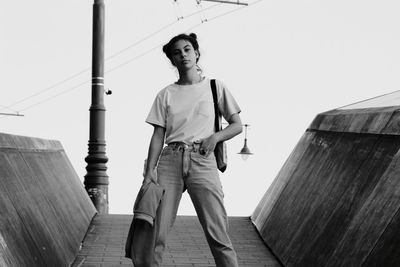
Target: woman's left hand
[(208, 145)]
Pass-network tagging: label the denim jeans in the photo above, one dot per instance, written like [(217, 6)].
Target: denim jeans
[(182, 167)]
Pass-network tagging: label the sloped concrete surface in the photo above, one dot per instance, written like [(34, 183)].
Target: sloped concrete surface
[(104, 244), (44, 209)]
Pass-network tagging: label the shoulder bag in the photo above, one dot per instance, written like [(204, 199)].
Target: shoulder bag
[(220, 148)]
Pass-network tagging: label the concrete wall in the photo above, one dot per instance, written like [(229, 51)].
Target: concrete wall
[(44, 209), (336, 200)]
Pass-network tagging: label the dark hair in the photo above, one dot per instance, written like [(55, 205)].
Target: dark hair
[(192, 38)]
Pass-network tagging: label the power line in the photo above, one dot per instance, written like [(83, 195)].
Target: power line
[(217, 16), (118, 53), (46, 89), (200, 7), (54, 96), (226, 13), (133, 59), (11, 114), (141, 40), (87, 81), (226, 2), (178, 11), (5, 107), (88, 69), (236, 9), (107, 58)]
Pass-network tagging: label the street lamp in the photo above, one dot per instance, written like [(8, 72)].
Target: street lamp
[(245, 151), (96, 178)]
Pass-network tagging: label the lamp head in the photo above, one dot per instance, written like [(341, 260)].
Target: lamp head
[(245, 151)]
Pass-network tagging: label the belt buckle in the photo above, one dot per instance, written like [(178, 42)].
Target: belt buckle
[(197, 142)]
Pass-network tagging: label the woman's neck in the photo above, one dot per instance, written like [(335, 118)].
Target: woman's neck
[(189, 77)]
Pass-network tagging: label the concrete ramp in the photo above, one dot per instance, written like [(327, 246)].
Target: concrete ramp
[(44, 209), (336, 201)]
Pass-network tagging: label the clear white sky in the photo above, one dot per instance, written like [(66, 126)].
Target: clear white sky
[(284, 61)]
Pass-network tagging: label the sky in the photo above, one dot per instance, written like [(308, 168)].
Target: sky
[(283, 61)]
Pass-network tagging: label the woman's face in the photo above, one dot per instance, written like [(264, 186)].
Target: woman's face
[(184, 57)]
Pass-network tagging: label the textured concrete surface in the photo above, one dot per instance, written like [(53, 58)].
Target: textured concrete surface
[(44, 209), (104, 244)]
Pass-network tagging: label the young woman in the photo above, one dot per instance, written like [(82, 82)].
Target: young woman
[(183, 118)]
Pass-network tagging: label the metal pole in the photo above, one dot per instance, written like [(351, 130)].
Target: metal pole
[(227, 2), (96, 178), (11, 114)]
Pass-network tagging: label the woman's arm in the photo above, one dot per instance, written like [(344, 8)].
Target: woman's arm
[(234, 128), (155, 148)]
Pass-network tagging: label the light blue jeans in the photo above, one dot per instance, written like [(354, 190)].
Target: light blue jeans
[(182, 167)]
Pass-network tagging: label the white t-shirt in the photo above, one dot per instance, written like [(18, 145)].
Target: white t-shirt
[(187, 111)]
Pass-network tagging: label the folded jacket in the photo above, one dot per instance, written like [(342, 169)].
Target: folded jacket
[(141, 237), (147, 201)]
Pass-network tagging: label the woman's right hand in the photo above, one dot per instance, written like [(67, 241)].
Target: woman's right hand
[(155, 148), (150, 176)]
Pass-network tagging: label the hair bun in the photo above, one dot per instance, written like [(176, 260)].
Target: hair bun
[(193, 35)]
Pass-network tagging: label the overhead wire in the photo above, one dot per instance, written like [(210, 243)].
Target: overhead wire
[(226, 13), (201, 14), (155, 47), (368, 99), (5, 114), (46, 89), (178, 11), (141, 40), (118, 53), (88, 69), (5, 107), (56, 95), (223, 14)]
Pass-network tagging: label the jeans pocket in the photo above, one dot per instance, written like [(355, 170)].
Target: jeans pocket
[(167, 151), (210, 157)]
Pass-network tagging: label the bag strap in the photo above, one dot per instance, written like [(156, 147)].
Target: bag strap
[(216, 110)]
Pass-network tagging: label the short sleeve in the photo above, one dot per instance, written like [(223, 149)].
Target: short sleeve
[(157, 114), (226, 102)]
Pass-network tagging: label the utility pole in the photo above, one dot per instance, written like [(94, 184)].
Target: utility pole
[(96, 179)]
